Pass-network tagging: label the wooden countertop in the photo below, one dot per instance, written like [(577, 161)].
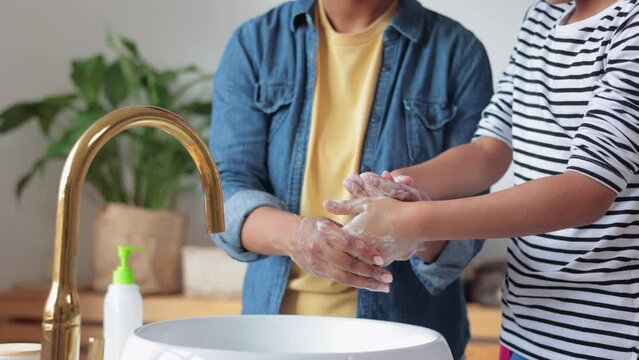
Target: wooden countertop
[(21, 313), (29, 306)]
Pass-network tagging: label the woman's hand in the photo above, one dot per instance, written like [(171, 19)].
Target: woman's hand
[(400, 187), (323, 248)]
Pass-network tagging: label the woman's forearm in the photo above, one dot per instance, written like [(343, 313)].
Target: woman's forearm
[(269, 231), (539, 206), (462, 171)]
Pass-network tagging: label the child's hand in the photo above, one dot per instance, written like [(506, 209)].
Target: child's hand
[(400, 187), (374, 222), (372, 185)]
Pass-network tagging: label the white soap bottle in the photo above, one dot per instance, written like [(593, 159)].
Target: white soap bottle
[(122, 306)]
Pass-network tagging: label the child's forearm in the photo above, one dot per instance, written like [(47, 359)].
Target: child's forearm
[(539, 206), (462, 171)]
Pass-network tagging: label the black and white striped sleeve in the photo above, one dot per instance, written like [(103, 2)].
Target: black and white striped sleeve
[(606, 146), (496, 119)]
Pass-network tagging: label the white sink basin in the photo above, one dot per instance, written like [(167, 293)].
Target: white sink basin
[(267, 337)]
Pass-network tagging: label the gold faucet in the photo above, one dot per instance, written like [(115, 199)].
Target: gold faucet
[(61, 320)]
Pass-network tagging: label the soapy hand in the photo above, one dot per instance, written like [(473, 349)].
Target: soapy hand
[(373, 185), (374, 224), (323, 248)]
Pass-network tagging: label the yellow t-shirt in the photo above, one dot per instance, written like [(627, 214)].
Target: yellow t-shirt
[(347, 71)]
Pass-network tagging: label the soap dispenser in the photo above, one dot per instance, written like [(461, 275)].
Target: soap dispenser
[(122, 306)]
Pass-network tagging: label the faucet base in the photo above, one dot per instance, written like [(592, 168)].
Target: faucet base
[(59, 342)]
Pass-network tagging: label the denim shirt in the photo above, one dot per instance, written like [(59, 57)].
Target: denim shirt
[(434, 81)]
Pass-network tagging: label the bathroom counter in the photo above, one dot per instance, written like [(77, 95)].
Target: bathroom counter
[(21, 313)]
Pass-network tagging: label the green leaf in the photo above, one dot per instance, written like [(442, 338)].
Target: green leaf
[(50, 108), (97, 178), (120, 43), (150, 82), (88, 76), (106, 175), (115, 85), (22, 183), (61, 147), (111, 41), (26, 178), (131, 78), (16, 116), (44, 111), (196, 107), (58, 149), (130, 46)]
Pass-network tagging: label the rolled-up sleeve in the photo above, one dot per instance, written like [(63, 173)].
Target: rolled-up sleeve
[(236, 210), (238, 142), (606, 146), (448, 267), (496, 119)]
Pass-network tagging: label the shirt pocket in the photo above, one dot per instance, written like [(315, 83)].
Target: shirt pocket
[(274, 99), (425, 127)]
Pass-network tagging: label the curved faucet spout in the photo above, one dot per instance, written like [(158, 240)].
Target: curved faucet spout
[(61, 321)]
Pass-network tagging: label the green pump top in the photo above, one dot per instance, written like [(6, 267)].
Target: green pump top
[(124, 275)]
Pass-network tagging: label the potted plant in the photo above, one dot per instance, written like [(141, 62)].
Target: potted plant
[(138, 174)]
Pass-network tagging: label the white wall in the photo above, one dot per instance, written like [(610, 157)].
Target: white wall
[(39, 37)]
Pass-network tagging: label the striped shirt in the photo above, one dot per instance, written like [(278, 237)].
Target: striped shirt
[(569, 101)]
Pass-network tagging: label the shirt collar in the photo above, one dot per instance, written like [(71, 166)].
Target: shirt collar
[(301, 9), (408, 21)]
